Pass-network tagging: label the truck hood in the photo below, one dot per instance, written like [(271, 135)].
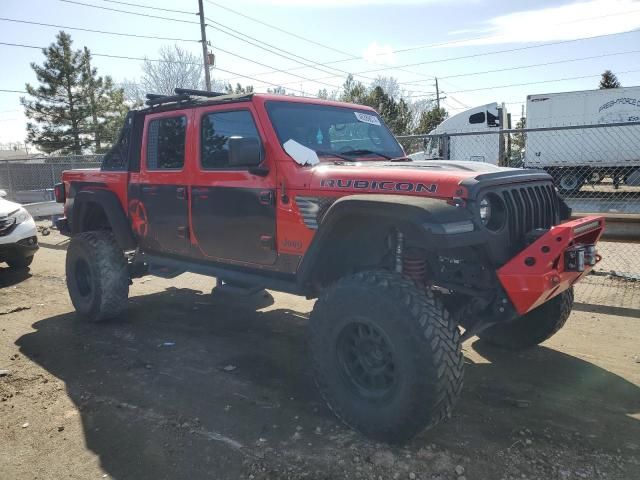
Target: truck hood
[(441, 178), (7, 207)]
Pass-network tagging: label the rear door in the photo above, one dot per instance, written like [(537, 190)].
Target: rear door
[(233, 214), (158, 195)]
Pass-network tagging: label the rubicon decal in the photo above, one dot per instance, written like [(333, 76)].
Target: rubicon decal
[(380, 185)]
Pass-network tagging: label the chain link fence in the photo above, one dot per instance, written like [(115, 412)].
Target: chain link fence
[(596, 169), (31, 180)]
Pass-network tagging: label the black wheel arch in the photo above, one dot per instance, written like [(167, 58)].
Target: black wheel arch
[(98, 209), (354, 230)]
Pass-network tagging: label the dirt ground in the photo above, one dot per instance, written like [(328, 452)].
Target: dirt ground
[(186, 385)]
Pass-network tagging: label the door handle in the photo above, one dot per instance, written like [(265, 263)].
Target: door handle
[(147, 189), (266, 197), (181, 193)]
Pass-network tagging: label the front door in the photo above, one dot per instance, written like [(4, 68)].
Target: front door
[(233, 215), (159, 199)]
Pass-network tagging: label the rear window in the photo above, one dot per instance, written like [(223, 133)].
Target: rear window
[(165, 143)]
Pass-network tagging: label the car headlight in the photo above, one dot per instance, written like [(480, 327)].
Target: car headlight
[(492, 212), (485, 210), (20, 215)]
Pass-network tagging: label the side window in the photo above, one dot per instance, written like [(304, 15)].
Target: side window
[(476, 118), (492, 120), (165, 143), (117, 157), (215, 132)]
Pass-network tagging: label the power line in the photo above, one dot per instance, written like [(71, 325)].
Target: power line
[(493, 52), (105, 32), (150, 7), (279, 29), (222, 28), (12, 91), (129, 12), (534, 83), (164, 38), (285, 54), (350, 56), (123, 57), (521, 67)]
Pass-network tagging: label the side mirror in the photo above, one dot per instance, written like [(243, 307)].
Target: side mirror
[(244, 152), (3, 193)]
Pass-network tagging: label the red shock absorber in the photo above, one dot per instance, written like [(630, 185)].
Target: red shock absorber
[(414, 267)]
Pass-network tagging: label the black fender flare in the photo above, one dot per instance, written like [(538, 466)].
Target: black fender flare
[(113, 210), (422, 218)]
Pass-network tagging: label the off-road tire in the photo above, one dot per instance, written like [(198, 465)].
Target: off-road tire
[(97, 275), (424, 344), (20, 262), (534, 327)]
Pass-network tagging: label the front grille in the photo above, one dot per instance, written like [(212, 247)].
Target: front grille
[(530, 207)]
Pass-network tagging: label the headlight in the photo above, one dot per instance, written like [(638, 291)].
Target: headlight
[(492, 212), (20, 215), (485, 210)]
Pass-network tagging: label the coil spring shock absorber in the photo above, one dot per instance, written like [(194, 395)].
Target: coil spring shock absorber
[(414, 267)]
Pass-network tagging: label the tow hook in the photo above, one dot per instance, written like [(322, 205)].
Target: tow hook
[(579, 256)]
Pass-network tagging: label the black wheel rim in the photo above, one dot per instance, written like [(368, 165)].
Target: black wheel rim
[(569, 182), (82, 273), (366, 357)]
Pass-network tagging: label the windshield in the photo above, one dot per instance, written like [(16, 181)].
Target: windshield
[(346, 133)]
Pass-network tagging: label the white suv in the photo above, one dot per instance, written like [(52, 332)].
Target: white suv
[(18, 240)]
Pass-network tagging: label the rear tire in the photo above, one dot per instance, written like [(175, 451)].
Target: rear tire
[(97, 275), (387, 356), (569, 181), (534, 327), (20, 262)]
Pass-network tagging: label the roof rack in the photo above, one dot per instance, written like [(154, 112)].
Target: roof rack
[(181, 95), (197, 93)]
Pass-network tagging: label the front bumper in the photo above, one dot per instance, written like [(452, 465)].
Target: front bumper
[(21, 241), (552, 264)]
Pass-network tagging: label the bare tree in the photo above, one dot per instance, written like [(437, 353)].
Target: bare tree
[(175, 67)]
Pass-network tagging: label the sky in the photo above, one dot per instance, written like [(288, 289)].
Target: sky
[(481, 51)]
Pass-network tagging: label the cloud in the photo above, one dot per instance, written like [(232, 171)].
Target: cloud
[(379, 54), (566, 22)]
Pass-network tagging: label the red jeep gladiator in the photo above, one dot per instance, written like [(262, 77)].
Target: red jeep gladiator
[(317, 198)]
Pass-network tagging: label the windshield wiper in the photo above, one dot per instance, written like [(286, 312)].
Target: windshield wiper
[(401, 159), (321, 153), (363, 151)]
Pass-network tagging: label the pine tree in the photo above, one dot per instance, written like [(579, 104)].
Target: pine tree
[(609, 80), (58, 111), (106, 105), (430, 119)]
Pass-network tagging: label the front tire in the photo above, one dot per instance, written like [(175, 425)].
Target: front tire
[(97, 275), (534, 327), (387, 356), (20, 262)]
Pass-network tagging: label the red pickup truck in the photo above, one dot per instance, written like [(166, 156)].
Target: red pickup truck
[(317, 198)]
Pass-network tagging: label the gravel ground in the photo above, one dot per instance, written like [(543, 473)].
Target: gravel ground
[(186, 385)]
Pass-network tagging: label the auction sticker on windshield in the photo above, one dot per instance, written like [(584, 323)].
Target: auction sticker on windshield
[(366, 118)]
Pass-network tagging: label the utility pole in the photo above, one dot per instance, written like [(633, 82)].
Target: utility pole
[(205, 56), (437, 94)]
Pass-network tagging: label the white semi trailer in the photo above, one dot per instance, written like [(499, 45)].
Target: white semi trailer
[(574, 156)]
